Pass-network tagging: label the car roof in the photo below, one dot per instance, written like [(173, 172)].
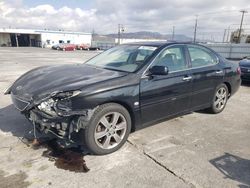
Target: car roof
[(157, 43)]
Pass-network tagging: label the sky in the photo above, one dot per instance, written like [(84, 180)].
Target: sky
[(103, 16)]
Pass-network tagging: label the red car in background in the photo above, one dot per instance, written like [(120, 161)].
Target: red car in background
[(67, 47), (83, 46)]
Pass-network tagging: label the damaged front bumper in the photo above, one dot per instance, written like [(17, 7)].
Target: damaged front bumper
[(63, 127), (56, 117)]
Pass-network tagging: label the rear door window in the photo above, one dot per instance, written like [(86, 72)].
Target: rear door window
[(201, 57)]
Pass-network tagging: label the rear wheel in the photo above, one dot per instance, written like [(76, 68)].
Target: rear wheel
[(220, 99), (108, 129)]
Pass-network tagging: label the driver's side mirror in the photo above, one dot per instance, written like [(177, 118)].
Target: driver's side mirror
[(158, 70)]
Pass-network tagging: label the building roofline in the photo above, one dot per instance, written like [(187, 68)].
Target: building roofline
[(37, 31), (62, 32)]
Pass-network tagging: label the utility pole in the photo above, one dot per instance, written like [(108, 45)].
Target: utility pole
[(241, 22), (119, 33), (120, 30), (17, 45), (173, 33), (228, 33), (224, 36), (195, 28)]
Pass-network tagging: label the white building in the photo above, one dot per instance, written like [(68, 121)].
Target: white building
[(41, 38)]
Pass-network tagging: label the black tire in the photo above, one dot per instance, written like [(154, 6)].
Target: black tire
[(89, 133), (214, 109)]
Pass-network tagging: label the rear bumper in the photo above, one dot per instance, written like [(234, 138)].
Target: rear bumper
[(245, 73), (235, 85), (245, 76)]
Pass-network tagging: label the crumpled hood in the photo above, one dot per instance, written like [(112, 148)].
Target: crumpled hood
[(44, 80)]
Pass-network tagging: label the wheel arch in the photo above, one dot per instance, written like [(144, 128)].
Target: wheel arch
[(128, 108), (228, 87)]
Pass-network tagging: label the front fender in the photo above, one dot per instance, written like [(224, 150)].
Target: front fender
[(128, 95)]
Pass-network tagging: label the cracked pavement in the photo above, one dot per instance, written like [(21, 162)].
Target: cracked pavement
[(195, 150)]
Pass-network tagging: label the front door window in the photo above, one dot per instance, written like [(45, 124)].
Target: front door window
[(172, 58)]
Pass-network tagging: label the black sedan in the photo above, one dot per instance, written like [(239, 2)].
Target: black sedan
[(245, 68), (128, 87)]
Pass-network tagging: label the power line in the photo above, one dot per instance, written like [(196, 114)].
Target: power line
[(221, 11)]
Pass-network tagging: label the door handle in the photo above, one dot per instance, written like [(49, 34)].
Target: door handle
[(187, 78), (219, 72)]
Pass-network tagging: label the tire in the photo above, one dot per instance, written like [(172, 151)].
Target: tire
[(102, 135), (219, 100)]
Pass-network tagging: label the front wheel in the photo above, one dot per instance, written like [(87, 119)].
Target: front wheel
[(220, 99), (108, 129)]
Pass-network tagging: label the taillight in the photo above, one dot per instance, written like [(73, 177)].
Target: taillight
[(238, 70)]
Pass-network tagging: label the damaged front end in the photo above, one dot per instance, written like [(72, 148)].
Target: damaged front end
[(54, 114)]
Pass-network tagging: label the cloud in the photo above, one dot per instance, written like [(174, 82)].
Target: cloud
[(157, 15)]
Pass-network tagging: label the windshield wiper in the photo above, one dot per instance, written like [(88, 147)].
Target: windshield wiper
[(119, 70)]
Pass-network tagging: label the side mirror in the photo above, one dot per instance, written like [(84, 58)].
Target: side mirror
[(158, 70)]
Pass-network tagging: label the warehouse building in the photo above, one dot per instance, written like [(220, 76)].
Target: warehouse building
[(41, 38)]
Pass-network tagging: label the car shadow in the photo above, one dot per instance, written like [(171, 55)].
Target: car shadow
[(234, 167), (64, 156), (11, 121), (203, 111)]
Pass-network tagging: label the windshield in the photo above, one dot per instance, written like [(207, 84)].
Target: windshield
[(127, 58)]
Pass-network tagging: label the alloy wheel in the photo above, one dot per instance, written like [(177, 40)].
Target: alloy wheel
[(110, 130), (220, 98)]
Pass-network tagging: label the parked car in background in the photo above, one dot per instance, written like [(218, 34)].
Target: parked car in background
[(67, 47), (245, 68), (95, 48), (82, 46), (57, 46), (126, 88)]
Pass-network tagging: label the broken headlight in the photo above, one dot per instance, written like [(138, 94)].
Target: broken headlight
[(48, 107), (58, 102)]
